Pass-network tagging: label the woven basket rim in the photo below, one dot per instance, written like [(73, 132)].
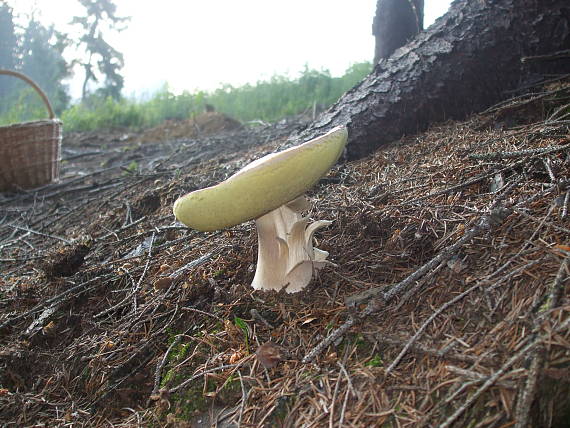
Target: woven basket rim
[(54, 121)]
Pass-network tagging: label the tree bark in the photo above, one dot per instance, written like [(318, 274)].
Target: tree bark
[(395, 24), (467, 61)]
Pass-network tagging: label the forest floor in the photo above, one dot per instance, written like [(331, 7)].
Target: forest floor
[(448, 305)]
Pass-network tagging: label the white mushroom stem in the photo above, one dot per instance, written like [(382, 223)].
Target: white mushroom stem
[(286, 256)]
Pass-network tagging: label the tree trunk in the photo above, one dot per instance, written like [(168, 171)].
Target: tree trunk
[(395, 24), (465, 62)]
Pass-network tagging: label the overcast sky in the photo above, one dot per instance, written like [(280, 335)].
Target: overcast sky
[(193, 44)]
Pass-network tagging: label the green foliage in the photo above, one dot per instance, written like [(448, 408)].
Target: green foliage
[(242, 325), (269, 100), (280, 96), (132, 168), (99, 112), (42, 61), (102, 112)]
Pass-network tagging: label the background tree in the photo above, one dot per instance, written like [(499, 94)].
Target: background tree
[(101, 58), (468, 60), (42, 60), (395, 24)]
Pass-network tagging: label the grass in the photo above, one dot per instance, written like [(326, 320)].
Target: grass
[(269, 100)]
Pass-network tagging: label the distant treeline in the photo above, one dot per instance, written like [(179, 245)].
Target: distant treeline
[(270, 100)]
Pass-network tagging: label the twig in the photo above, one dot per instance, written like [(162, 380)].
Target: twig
[(255, 314), (549, 170), (348, 390), (478, 377), (244, 396), (37, 324), (176, 276), (528, 394), (565, 205), (542, 222), (518, 153), (439, 353), (178, 273), (490, 381), (331, 338), (121, 229), (147, 264), (547, 57), (333, 400), (45, 235), (411, 292), (457, 186), (557, 288), (205, 372), (198, 311), (160, 365), (379, 299)]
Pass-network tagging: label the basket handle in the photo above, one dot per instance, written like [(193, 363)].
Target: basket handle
[(33, 85)]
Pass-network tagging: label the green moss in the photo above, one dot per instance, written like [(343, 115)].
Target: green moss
[(190, 401), (177, 354)]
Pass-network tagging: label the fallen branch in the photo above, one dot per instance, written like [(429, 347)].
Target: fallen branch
[(529, 343), (442, 308), (378, 299), (527, 396)]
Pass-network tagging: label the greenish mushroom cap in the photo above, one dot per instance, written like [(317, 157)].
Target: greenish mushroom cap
[(263, 185)]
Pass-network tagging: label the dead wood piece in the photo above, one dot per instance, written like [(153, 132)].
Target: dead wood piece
[(39, 322)]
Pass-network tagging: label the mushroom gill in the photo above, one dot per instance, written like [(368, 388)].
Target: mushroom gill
[(286, 256)]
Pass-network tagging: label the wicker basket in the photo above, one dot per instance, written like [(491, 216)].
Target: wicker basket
[(30, 152)]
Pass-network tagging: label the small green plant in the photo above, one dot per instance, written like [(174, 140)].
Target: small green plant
[(131, 168), (242, 325), (375, 361)]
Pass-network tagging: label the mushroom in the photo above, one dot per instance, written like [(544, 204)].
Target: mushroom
[(270, 190)]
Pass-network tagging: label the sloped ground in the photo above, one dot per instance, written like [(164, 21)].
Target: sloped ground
[(448, 306)]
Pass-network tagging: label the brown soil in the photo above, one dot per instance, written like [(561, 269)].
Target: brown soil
[(449, 304), (203, 124)]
